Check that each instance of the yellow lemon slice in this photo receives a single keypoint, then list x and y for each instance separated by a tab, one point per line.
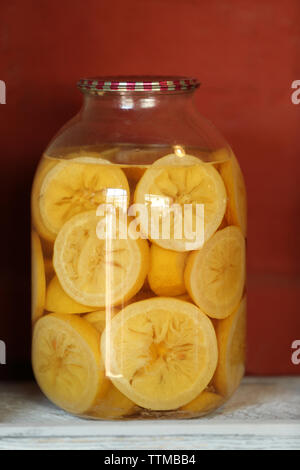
98	318
236	211
160	353
113	405
44	167
97	272
67	362
166	271
231	334
58	301
215	275
173	184
38	278
79	185
204	403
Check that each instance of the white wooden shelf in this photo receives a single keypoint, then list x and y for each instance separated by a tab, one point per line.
263	414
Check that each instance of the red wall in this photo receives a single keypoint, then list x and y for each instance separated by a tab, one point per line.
246	54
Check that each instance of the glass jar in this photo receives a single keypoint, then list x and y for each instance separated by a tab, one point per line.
138	256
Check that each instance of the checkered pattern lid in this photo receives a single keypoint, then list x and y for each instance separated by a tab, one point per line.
98	85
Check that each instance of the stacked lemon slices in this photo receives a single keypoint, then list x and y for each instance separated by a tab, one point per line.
138	325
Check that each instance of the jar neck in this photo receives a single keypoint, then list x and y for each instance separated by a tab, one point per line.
140	118
126	102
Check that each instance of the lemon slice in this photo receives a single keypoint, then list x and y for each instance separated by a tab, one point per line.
166	271
231	334
44	167
96	272
204	403
215	275
67	362
58	301
98	318
236	211
174	182
160	353
38	278
113	405
79	185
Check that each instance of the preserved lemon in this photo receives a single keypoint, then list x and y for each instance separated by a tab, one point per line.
203	403
83	263
160	353
98	318
67	362
231	335
113	405
174	181
38	278
59	302
236	212
166	271
43	168
215	275
79	185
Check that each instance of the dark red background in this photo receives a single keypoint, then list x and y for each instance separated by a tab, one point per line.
245	52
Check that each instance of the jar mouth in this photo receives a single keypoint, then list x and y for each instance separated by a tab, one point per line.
149	83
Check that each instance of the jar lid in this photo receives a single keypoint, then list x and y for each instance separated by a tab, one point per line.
98	85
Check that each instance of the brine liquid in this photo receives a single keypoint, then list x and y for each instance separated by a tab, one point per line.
126	323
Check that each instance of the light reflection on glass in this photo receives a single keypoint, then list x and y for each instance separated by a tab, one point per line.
126	102
179	151
147	103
